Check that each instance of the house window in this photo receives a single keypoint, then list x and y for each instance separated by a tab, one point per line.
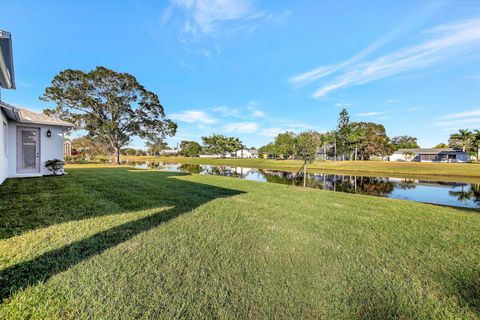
5	145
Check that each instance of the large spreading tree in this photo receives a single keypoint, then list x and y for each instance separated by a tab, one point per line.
111	106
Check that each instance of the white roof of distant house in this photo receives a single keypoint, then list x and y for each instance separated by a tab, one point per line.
27	116
428	150
169	151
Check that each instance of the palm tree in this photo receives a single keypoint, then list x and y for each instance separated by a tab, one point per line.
464	137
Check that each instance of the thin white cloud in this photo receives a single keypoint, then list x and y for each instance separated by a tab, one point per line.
227	111
391	101
191	116
323	71
369	114
472	121
462	114
442	44
251	110
241	127
446	42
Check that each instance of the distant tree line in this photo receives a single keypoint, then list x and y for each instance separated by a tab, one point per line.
349	141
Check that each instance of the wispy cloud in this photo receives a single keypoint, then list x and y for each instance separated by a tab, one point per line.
471	117
251	110
369	114
472	121
191	116
462	114
440	45
241	127
206	16
258	114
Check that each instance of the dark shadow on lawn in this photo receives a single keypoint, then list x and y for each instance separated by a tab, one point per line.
28	204
466	287
181	196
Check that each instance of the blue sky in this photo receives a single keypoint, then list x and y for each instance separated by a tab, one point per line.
255	68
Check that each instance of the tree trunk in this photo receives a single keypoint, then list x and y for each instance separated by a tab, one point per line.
356	151
335	151
116	156
478	153
304	175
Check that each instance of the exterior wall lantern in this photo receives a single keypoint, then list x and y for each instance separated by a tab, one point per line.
49	133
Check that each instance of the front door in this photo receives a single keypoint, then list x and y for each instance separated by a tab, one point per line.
28	150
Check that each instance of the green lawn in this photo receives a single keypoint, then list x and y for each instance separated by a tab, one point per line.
471	170
118	243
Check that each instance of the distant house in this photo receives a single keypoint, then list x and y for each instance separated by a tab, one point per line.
210	156
67	148
27	139
247	153
430	155
169	153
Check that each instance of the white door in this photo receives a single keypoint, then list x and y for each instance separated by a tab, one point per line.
28	150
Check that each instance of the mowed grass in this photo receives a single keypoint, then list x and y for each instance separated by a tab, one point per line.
119	243
422	169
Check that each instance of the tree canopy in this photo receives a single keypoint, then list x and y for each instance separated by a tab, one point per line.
111	106
220	144
190	149
155	146
405	142
285	144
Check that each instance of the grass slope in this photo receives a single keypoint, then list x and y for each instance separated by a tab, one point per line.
364	167
118	243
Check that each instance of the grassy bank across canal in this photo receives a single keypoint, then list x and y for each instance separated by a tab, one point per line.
381	168
120	243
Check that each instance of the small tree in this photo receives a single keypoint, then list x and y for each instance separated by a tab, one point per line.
111	106
342	144
155	145
408	154
190	148
441	146
306	148
55	165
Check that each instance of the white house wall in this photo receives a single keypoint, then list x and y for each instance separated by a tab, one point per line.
3	156
50	147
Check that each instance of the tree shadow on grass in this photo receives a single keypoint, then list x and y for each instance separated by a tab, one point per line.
181	196
28	204
466	288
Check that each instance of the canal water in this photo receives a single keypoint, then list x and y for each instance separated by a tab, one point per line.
448	193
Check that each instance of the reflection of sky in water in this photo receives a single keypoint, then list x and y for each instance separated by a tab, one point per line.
444	193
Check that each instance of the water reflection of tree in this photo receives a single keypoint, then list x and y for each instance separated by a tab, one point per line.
350	184
472	193
190	168
406	184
